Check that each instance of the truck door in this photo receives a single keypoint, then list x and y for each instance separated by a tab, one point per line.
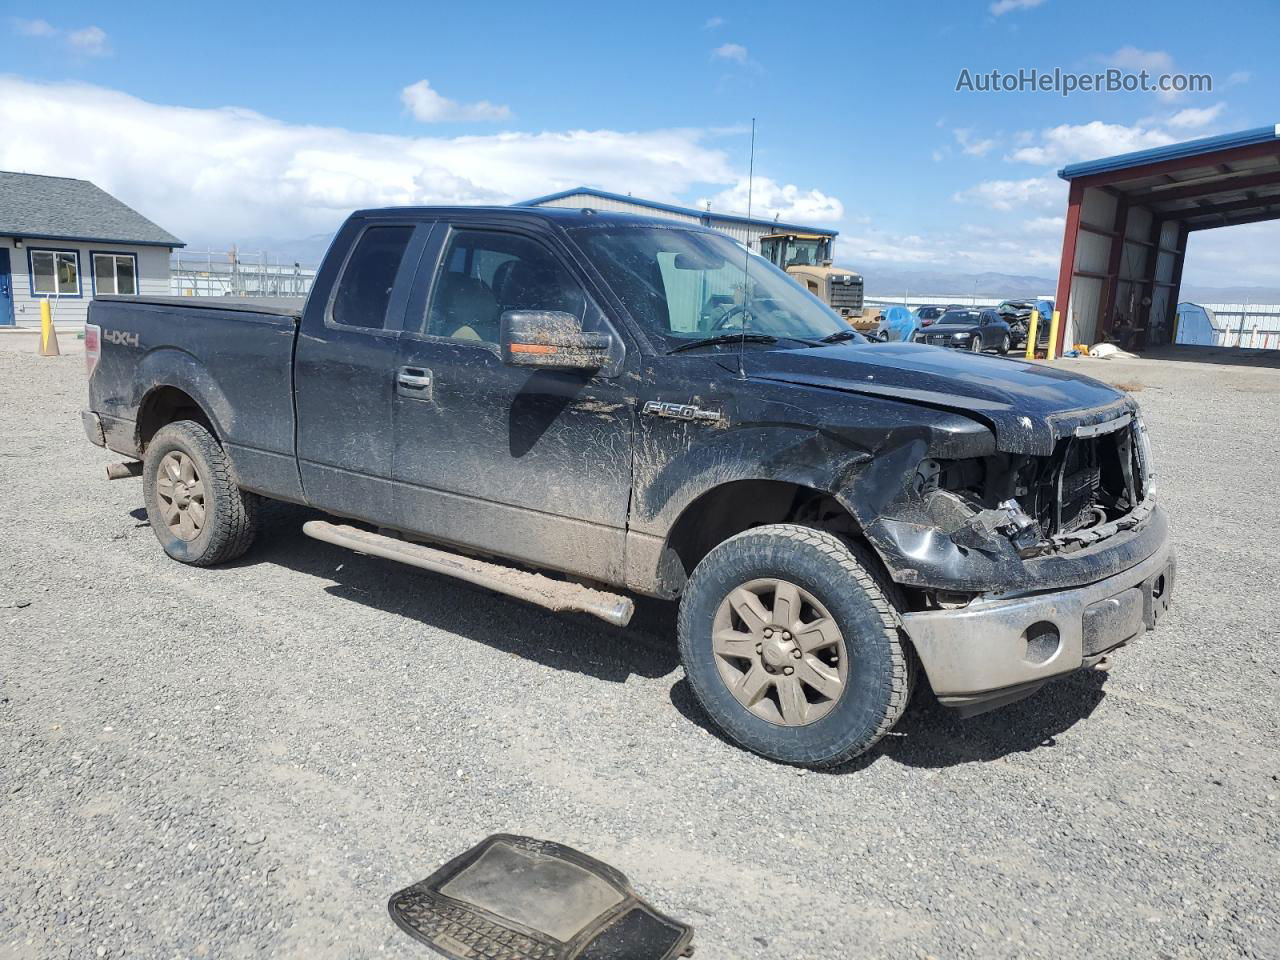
534	465
344	368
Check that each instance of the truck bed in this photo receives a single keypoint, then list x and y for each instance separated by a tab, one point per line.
233	357
272	306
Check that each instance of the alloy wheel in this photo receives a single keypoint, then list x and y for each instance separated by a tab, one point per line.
182	496
779	652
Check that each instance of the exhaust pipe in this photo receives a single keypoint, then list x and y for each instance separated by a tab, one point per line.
124	470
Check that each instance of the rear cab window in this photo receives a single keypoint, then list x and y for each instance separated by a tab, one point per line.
363	293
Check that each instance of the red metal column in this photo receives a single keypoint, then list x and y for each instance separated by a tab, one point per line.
1065	269
1106	312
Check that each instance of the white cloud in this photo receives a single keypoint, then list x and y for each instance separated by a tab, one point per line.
959	251
429	106
1001	7
731	51
1193	118
1053	225
35	28
1133	58
970	146
1243	254
772	199
1238	77
90	40
1037	193
1155	62
218	175
713	22
1085	141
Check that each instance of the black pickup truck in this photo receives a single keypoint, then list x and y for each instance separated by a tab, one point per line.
574	406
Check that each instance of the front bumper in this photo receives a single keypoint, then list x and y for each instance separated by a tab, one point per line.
946	342
994	651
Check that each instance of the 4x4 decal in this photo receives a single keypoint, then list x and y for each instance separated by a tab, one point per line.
122	338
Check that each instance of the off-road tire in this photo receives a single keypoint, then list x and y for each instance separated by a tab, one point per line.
231	514
857	596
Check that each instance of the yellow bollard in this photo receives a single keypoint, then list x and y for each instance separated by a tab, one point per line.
1053	337
1033	329
48	336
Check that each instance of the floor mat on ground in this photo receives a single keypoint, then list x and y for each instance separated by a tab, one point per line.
517	898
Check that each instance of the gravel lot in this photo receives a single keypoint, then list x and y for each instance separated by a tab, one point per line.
248	761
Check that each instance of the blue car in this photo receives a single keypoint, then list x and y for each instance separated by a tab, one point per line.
898	324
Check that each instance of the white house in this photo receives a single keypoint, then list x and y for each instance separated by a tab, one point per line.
66	241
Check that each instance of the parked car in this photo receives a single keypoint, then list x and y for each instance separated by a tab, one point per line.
571	407
929	314
898	324
1017	314
975	329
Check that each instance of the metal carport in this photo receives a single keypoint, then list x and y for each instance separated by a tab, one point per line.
1128	219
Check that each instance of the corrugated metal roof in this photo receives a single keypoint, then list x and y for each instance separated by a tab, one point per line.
672	208
60	208
1174	151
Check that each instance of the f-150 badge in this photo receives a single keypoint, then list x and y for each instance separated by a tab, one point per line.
680	411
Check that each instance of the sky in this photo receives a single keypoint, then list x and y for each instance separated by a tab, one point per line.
265	124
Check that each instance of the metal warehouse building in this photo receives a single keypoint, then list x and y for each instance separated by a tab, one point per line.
746	230
1128	220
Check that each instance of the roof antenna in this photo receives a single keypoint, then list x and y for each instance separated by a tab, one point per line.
746	262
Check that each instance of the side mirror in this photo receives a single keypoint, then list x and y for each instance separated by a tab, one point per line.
552	340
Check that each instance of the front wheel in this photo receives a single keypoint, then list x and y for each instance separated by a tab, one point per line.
791	645
975	345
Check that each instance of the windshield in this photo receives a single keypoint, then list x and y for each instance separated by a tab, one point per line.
961	316
803	253
683	285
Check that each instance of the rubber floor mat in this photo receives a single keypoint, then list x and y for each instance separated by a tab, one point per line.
517	898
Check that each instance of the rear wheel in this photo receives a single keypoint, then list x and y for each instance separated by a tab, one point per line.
197	510
791	646
1005	344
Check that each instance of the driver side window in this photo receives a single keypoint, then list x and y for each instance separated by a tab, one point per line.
484	273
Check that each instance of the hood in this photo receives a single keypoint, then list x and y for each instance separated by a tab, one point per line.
1028	406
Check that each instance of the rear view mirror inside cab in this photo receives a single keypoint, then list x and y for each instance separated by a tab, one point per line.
693	261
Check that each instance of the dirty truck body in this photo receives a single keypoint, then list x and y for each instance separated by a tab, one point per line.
572	406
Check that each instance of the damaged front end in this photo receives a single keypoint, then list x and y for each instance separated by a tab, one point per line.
1000	522
1027	567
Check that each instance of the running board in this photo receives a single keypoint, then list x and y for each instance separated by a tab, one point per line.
559	595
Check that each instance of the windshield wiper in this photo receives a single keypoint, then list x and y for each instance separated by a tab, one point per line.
838	336
724	338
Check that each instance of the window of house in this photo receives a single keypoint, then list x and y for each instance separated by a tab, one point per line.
115	273
55	273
